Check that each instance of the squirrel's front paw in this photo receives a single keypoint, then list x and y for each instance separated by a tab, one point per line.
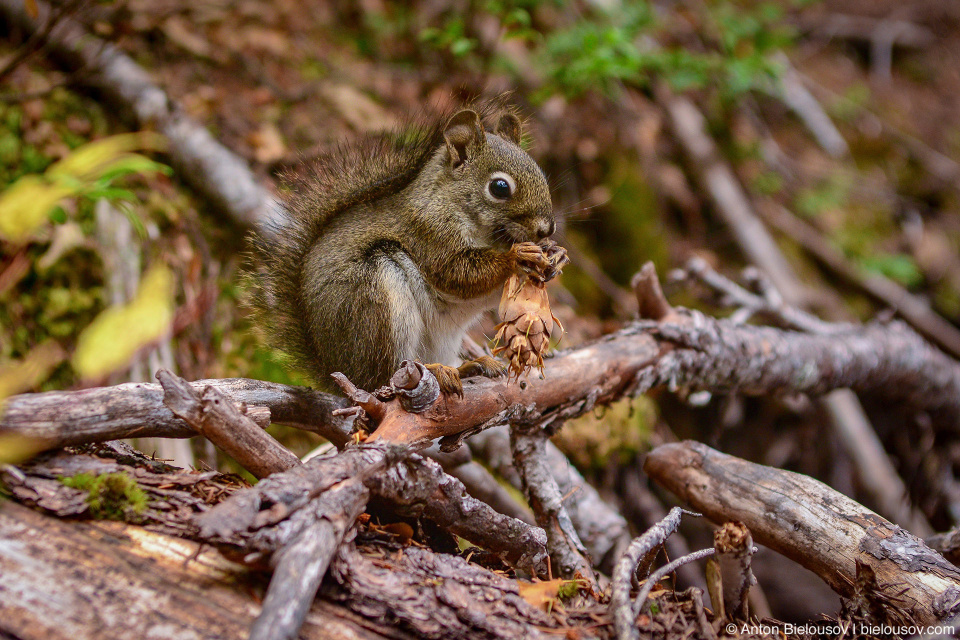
485	366
531	259
556	256
448	378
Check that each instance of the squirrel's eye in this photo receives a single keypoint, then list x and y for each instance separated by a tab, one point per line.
501	186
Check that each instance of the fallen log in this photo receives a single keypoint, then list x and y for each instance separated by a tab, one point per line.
817	527
64	580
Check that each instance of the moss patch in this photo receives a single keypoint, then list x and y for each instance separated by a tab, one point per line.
110	496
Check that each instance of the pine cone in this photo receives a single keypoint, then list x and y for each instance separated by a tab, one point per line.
524	335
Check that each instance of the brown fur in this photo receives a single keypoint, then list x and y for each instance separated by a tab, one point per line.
390	234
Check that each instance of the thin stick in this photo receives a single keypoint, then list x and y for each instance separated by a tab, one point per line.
656	576
623	572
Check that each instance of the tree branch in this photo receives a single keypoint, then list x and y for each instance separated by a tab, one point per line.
814	525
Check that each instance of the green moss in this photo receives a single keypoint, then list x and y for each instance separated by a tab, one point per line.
110	496
617	432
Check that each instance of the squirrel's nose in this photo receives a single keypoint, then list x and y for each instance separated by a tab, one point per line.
545	228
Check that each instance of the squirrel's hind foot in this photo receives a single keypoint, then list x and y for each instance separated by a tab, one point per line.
450	378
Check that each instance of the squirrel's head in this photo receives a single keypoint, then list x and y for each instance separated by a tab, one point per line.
497	184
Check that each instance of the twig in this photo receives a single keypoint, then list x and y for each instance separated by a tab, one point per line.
815	526
301	564
643	507
696	596
651	302
796	96
218	420
481	484
625	569
134	410
599	524
544	496
771	304
656	576
910	307
420	487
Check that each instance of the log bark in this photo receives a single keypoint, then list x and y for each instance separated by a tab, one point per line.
814	525
63	580
436	596
136	410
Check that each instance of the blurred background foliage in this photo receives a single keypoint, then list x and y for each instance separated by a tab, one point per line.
110	267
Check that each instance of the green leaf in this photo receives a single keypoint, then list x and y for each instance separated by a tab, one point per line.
898	267
95	158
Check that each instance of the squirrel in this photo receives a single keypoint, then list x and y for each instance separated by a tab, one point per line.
393	247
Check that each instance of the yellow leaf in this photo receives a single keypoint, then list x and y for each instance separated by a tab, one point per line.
540	594
115	336
26	205
31	371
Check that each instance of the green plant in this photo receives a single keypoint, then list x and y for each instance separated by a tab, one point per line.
604	50
89	172
110	496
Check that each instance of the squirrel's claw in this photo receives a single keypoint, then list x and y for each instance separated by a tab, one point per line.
485	366
531	259
448	378
558	259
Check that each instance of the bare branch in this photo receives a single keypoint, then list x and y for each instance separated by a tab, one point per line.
814	525
135	410
543	494
301	564
218	420
625	570
420	487
656	576
910	307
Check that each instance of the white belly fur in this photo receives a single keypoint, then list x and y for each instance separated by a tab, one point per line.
427	325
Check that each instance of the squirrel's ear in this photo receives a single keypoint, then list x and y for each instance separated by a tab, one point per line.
510	128
464	136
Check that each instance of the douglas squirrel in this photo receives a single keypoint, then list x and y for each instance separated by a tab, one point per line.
394	246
